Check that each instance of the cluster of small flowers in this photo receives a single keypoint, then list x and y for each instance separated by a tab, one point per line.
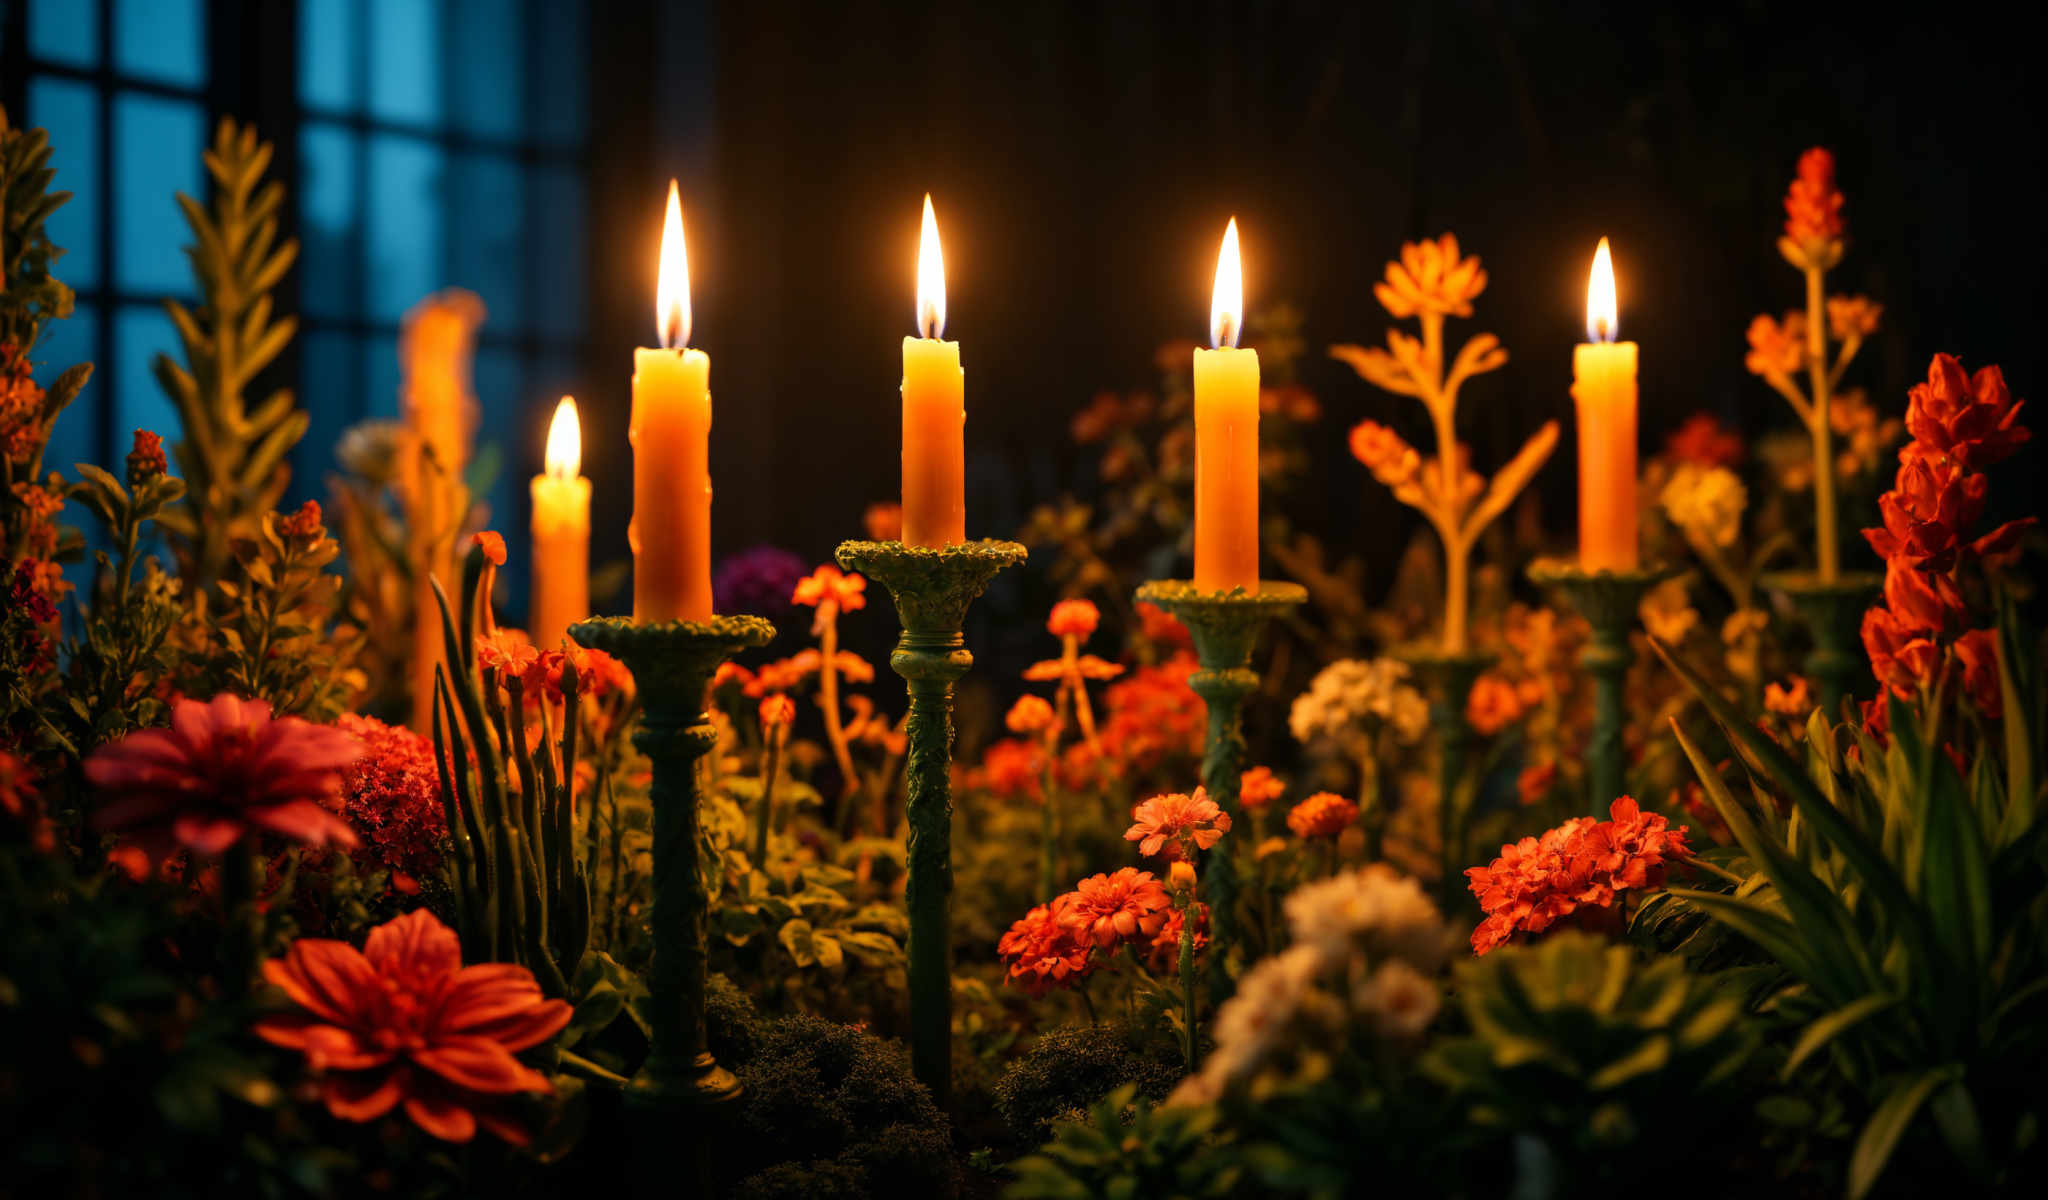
392	797
1348	698
789	674
21	406
1581	864
1960	424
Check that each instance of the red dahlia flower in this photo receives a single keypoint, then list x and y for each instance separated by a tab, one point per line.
223	770
404	1022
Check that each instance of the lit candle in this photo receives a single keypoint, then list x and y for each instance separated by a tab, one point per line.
1604	384
671	435
934	410
1227	439
561	533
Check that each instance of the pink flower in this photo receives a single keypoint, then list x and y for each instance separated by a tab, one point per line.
223	770
1177	824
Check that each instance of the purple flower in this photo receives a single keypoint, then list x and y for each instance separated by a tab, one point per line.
758	580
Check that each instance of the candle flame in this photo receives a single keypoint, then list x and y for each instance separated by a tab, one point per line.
931	277
672	287
564	459
1600	303
1226	303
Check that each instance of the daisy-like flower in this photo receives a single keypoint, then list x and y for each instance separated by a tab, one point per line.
1176	824
1325	814
224	770
1073	618
1108	909
1042	951
403	1022
1431	278
1259	787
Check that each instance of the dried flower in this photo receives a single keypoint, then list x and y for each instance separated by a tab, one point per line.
146	461
1431	278
1667	612
1259	787
1108	909
1325	814
1391	460
223	770
1176	824
403	1022
1706	502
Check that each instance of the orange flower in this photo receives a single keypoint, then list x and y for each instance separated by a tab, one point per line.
1176	824
883	521
731	674
1852	317
1776	348
1029	715
1259	787
1325	814
507	651
1391	460
403	1022
1535	781
1901	659
1073	618
829	586
1928	513
1978	652
1813	205
1970	418
1042	951
777	712
302	526
493	544
1162	628
1493	705
1923	602
1010	769
1108	909
1704	441
1536	882
1793	699
1431	278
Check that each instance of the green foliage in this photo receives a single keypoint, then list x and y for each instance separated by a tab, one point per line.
121	651
1578	1046
271	636
233	454
1126	1148
1071	1067
1905	899
34	295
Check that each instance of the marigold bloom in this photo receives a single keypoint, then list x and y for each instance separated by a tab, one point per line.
146	461
1073	618
1702	440
1042	951
1176	824
1536	882
392	796
403	1022
1813	204
1108	909
1259	787
304	525
1010	769
1152	716
777	712
1029	715
1970	418
1325	814
1776	347
222	771
1431	278
493	544
1493	705
829	586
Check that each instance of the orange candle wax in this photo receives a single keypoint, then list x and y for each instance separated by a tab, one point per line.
1604	385
561	534
1227	440
671	437
934	411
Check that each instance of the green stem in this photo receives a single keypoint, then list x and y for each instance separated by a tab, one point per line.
1187	984
1829	537
771	768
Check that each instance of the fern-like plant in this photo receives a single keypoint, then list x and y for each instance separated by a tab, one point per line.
232	456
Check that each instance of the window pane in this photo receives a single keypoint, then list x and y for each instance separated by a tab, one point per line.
141	332
379	359
156	148
327	54
65	31
162	40
71	112
555	110
331	368
555	233
65	344
487	77
330	222
490	243
405	61
404	251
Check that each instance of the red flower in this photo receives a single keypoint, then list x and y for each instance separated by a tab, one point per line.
1901	659
1162	628
1164	954
1153	715
1042	951
1703	440
224	770
507	651
1259	787
1107	909
392	796
1176	824
829	586
1923	602
1813	206
1493	705
1538	882
404	1022
1073	618
1010	769
18	793
493	544
146	461
1927	513
303	525
1978	652
1534	781
1970	418
1030	714
777	712
884	521
1325	814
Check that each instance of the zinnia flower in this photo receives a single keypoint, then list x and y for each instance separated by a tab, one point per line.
1177	824
1107	909
1537	882
1325	814
224	770
1073	618
1259	787
1042	951
1970	418
404	1022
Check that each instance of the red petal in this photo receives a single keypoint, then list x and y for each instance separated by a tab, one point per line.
416	944
301	820
441	1116
206	834
364	1097
325	977
479	1064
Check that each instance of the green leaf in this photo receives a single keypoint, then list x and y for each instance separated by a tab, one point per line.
1826	1029
1652	1055
796	937
1881	1133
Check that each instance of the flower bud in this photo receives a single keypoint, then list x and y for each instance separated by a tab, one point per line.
146	461
1181	877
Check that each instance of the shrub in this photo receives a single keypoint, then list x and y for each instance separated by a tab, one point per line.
1071	1068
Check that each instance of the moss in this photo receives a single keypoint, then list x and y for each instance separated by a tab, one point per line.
732	1024
1071	1068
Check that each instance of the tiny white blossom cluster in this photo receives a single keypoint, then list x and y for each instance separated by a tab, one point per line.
1350	699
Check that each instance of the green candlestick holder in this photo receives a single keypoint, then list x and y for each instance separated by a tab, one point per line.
932	587
1448	678
1833	612
672	663
1225	625
1608	600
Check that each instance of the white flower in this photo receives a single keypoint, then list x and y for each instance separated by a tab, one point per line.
1374	910
1346	696
1399	1000
1275	997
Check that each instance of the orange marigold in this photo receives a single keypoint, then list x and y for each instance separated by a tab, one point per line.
1010	769
1539	881
1073	618
1325	814
1177	824
883	521
1431	278
1494	704
1042	951
1259	787
1108	909
1029	715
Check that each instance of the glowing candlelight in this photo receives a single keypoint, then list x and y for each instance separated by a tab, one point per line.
1604	384
1227	438
671	437
934	410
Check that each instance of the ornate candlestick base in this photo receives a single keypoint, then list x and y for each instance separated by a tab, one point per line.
672	663
1833	612
1608	600
1226	626
932	587
1448	678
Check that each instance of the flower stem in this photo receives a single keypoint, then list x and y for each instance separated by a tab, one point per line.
243	919
1819	424
770	769
1187	984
